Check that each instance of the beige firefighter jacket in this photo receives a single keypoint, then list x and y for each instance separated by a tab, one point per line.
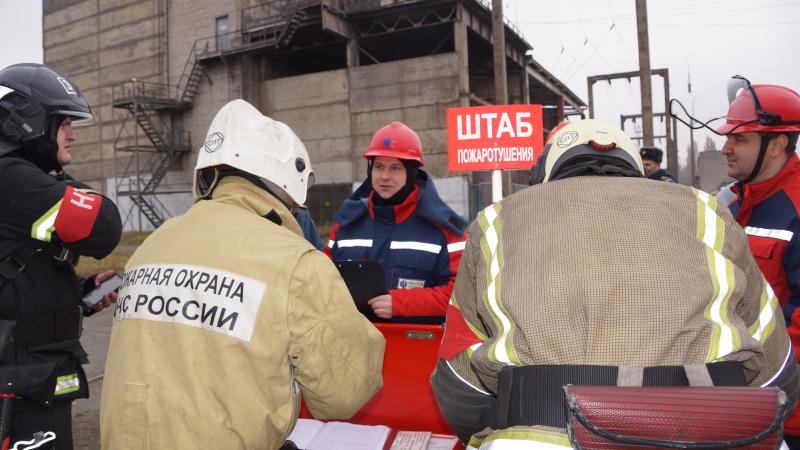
224	318
607	271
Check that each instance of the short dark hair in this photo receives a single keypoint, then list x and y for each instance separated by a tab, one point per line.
652	153
791	144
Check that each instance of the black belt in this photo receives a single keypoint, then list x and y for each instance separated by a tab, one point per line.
48	328
533	395
14	264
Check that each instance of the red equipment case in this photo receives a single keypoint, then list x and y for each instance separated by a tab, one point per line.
406	401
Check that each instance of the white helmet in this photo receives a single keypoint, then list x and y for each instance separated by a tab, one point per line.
243	138
588	138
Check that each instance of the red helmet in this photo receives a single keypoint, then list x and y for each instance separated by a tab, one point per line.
762	108
396	140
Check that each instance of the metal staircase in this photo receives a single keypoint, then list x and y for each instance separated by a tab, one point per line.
148	145
268	24
190	77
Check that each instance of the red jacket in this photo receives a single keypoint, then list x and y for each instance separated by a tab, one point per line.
769	211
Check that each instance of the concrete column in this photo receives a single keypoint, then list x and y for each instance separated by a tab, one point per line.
462	50
352	53
644	72
249	79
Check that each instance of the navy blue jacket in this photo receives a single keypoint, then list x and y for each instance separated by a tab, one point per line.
420	242
658	174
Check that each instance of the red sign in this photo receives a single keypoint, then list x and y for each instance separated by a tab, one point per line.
494	137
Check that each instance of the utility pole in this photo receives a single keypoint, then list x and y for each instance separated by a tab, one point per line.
670	135
692	149
500	85
644	72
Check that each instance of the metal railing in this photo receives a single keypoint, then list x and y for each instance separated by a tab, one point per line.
142	89
488	5
263	25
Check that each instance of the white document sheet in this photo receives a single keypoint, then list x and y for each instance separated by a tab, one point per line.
348	436
304	432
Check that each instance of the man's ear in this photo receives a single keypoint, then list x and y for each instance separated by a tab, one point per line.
777	145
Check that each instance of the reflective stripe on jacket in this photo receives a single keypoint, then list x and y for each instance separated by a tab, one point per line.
38	209
769	213
420	242
605	271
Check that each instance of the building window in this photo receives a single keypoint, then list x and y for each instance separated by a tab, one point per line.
223	35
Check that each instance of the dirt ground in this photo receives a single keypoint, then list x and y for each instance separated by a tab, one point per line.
86	412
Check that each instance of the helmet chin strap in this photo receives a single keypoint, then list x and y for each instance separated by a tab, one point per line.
762	152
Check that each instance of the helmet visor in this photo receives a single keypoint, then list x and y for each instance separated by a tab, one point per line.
79	118
743	105
745	112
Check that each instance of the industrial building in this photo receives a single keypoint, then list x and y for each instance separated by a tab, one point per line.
156	72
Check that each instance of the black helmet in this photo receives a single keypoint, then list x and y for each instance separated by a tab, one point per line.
34	100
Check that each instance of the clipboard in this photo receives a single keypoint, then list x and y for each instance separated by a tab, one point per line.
364	280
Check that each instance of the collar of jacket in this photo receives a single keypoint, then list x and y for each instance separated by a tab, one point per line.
400	212
428	206
241	193
758	192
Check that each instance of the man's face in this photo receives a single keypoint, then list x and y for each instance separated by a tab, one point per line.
741	151
64	139
388	176
650	167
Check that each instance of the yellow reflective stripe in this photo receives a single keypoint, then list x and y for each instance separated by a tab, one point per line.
502	349
480	335
763	327
474	443
725	338
44	226
67	383
525	440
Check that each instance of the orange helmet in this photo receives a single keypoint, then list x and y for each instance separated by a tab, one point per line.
761	108
396	140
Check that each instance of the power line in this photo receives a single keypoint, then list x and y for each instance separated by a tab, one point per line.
762	24
590	55
555	31
621	39
655	15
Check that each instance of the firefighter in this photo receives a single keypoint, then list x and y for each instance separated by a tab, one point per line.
762	127
227	314
396	216
556	276
47	219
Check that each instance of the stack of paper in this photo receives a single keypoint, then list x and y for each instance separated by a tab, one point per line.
311	434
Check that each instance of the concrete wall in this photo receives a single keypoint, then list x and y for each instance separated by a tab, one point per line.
100	44
712	171
317	107
336	112
416	92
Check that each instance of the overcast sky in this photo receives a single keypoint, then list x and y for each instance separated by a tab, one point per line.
709	39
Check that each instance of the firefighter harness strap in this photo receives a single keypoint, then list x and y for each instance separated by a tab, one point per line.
533	395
